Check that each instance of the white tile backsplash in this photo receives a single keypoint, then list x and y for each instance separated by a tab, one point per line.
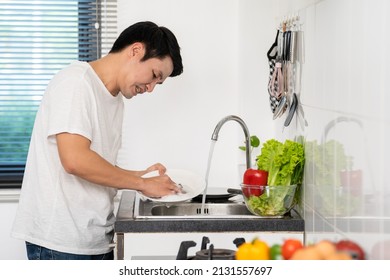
344	96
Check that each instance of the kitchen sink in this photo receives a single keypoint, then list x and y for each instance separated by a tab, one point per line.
191	210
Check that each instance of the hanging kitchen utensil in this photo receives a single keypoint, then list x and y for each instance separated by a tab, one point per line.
281	107
283	76
297	60
293	47
289	75
276	85
292	110
272	55
286	46
273	51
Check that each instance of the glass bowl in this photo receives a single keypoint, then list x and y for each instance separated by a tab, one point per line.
269	201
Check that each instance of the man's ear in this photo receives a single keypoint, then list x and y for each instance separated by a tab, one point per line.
136	49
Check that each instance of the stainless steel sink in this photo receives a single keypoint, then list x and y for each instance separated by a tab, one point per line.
191	210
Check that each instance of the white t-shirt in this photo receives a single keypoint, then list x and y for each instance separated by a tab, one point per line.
58	210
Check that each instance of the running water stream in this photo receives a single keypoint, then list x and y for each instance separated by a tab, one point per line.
207	175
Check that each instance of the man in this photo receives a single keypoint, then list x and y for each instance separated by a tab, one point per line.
66	203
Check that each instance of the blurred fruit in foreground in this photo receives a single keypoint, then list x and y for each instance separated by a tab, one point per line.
276	252
323	250
351	248
306	253
255	250
293	249
289	247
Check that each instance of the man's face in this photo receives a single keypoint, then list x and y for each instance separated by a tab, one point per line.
142	76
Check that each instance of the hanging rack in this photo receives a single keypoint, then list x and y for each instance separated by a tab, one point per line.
288	22
284	83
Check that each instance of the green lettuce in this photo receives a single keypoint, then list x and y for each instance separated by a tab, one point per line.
283	161
276	202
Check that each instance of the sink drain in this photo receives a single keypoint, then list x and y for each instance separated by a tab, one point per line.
199	211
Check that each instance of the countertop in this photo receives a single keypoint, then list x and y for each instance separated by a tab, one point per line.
126	223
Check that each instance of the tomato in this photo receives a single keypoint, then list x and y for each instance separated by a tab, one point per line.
276	252
256	250
289	247
255	177
351	248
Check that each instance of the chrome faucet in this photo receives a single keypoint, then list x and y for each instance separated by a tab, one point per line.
214	137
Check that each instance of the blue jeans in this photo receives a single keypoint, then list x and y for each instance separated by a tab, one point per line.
36	252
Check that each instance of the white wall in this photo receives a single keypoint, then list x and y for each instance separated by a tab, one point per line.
256	23
10	248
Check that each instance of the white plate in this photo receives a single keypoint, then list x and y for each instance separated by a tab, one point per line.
192	184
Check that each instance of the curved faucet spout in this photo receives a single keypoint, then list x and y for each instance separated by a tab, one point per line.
214	137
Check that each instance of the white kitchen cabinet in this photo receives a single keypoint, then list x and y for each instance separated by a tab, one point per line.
144	246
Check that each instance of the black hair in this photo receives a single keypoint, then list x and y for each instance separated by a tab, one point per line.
159	42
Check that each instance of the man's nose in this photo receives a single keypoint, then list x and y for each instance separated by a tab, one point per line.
150	86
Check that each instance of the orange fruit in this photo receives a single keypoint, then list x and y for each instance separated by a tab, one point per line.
306	253
325	248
